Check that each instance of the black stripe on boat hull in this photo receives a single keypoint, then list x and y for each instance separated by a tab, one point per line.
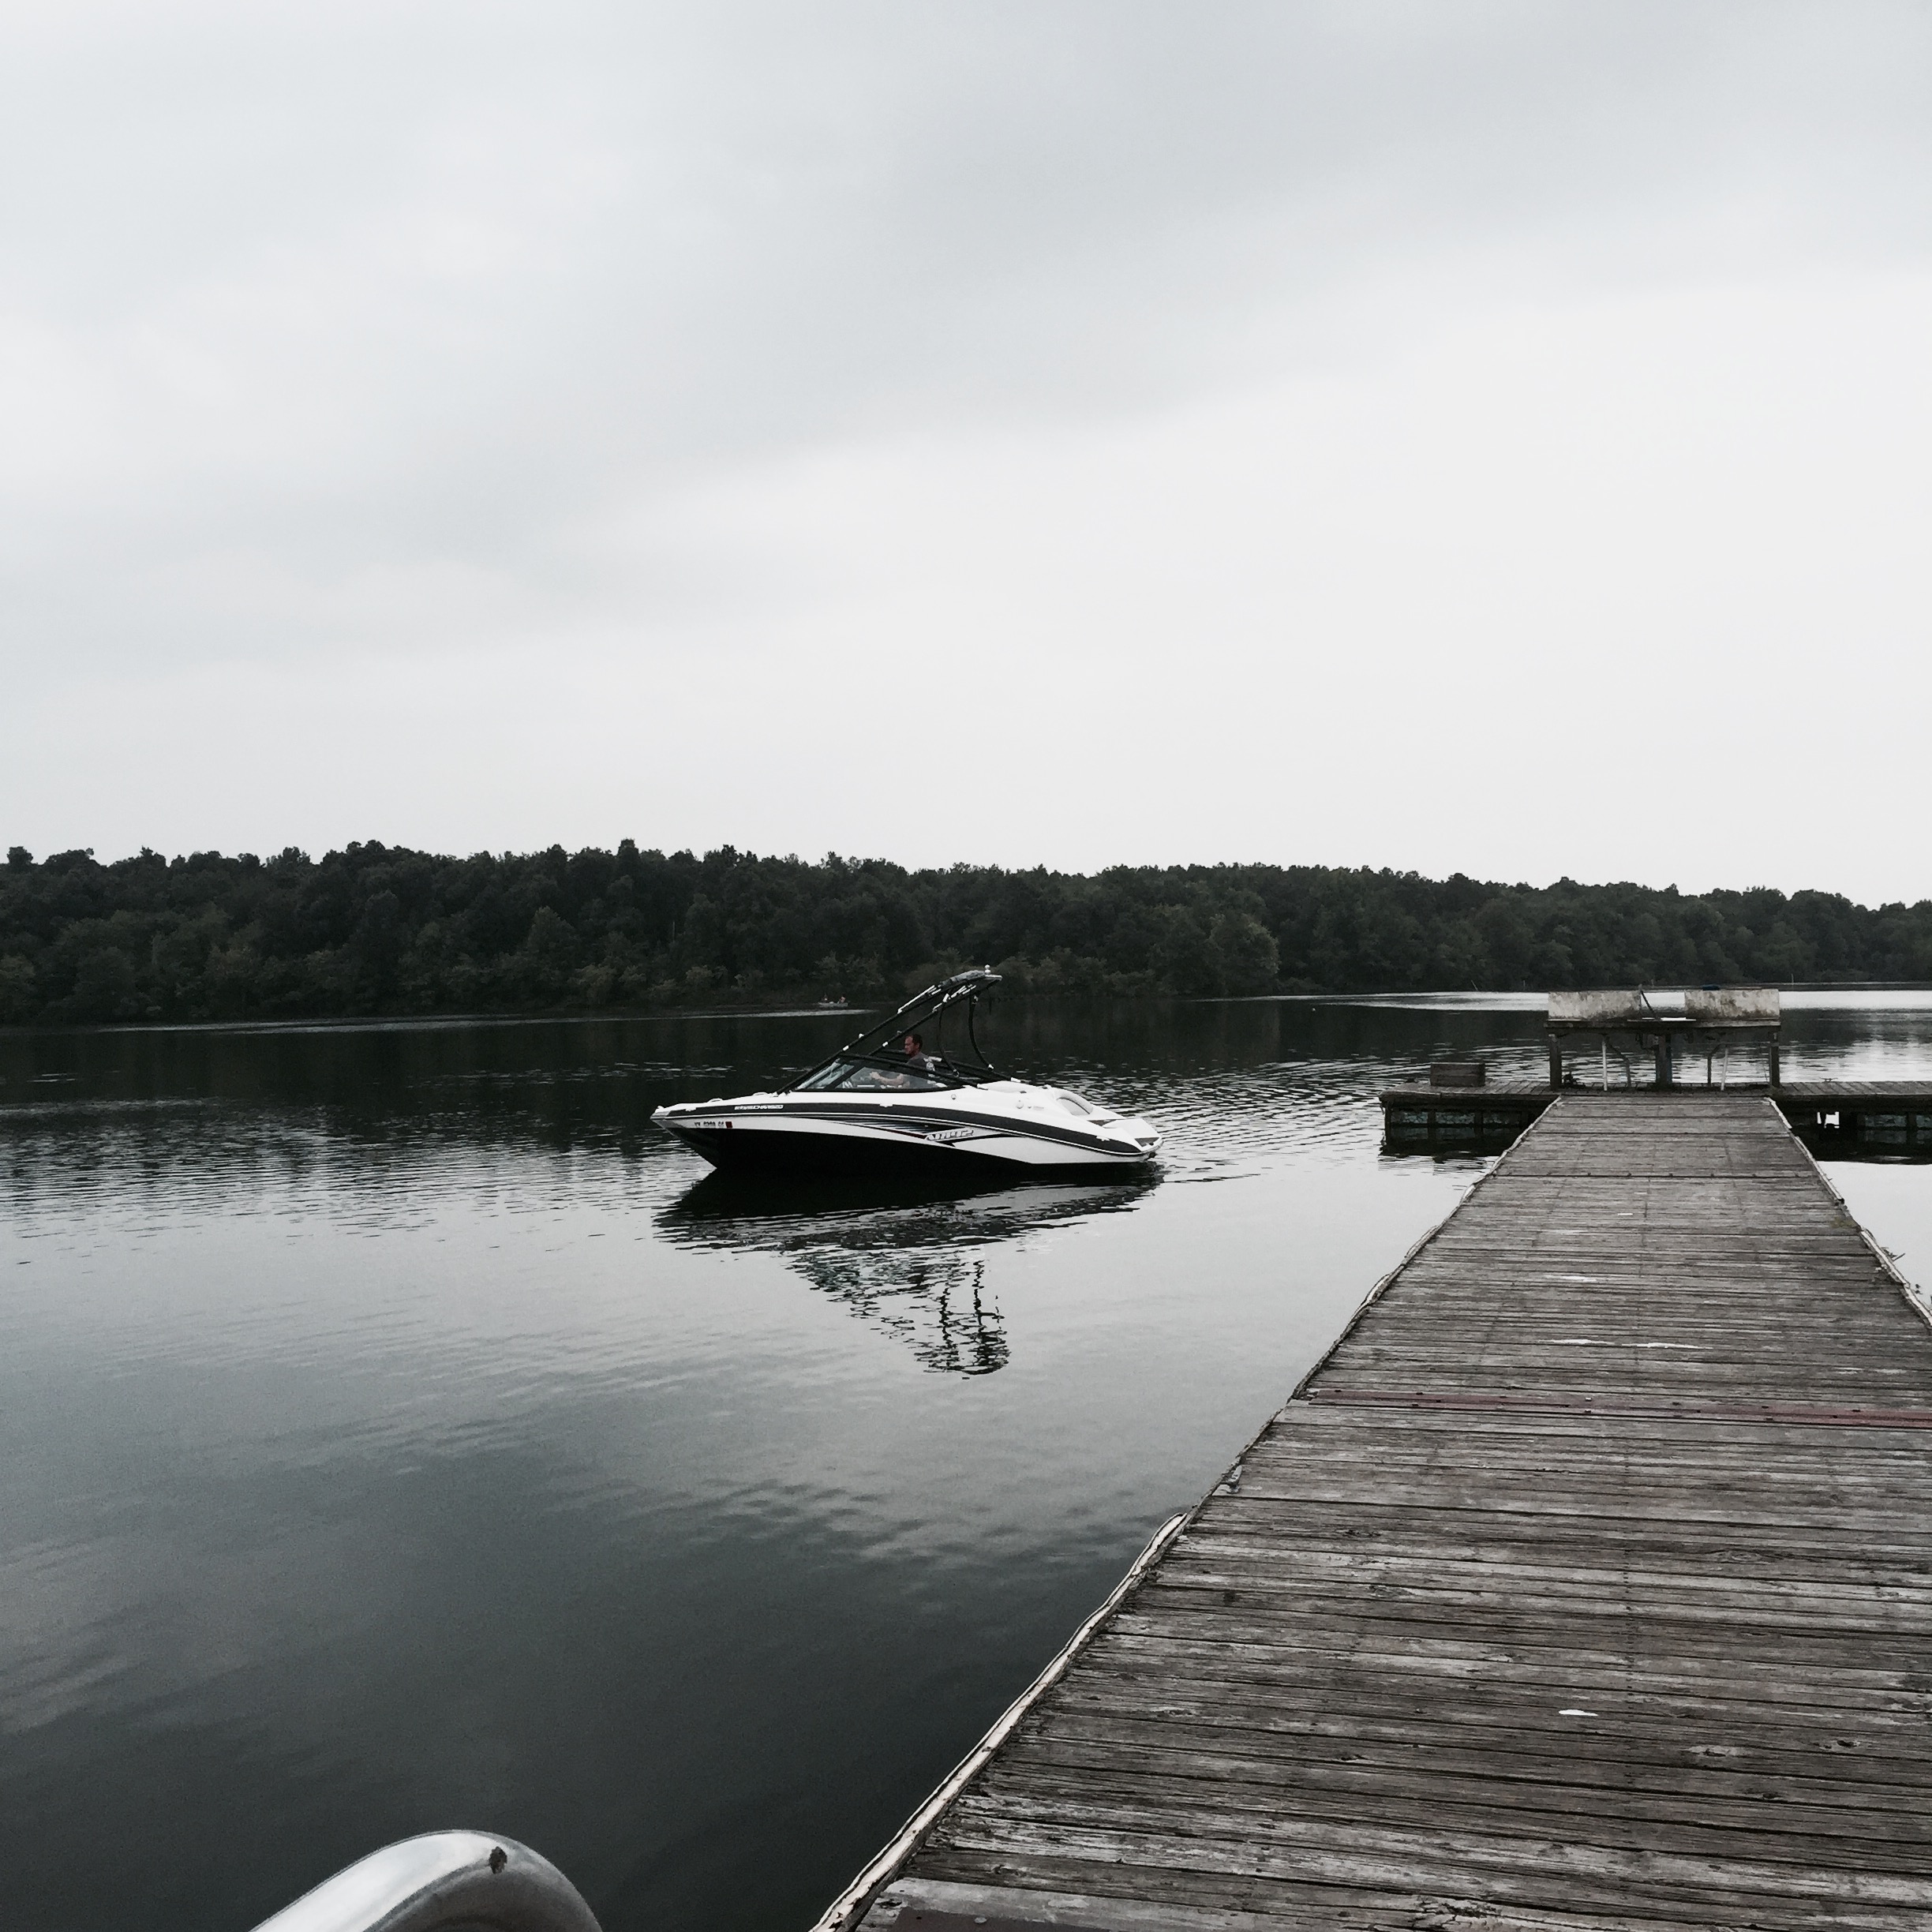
894	1116
765	1150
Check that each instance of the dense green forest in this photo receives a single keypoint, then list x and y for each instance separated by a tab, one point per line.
376	928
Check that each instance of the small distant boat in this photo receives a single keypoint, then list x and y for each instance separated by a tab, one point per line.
883	1104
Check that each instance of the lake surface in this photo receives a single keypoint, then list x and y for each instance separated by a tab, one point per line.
397	1432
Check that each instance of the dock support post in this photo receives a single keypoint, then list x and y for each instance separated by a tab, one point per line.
1774	1064
1664	1060
1555	1063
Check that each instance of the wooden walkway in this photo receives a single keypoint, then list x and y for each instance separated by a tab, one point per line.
1905	1105
1874	1096
1886	1114
1586	1584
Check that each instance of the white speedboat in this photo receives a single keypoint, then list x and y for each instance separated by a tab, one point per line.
883	1104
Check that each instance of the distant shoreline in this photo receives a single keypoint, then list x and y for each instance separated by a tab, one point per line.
375	932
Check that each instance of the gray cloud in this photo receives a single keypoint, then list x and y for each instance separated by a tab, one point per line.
564	349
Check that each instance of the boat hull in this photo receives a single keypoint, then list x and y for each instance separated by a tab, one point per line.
903	1147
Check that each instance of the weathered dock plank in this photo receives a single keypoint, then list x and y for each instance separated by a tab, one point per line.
1587	1583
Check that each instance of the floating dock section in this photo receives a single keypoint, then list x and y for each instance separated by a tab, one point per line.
1585	1586
1845	1116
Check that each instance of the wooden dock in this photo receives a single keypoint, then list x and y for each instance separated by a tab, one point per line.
1585	1586
1427	1116
1877	1114
1834	1114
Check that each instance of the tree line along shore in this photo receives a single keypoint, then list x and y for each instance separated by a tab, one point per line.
377	929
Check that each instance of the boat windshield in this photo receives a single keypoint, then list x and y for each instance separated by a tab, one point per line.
869	1076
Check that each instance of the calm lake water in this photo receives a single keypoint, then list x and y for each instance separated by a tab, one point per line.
397	1432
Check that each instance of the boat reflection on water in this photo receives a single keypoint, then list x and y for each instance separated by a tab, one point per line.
908	1261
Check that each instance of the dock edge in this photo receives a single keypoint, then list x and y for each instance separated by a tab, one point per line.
845	1910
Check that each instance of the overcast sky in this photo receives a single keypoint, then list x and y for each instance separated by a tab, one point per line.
1456	437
